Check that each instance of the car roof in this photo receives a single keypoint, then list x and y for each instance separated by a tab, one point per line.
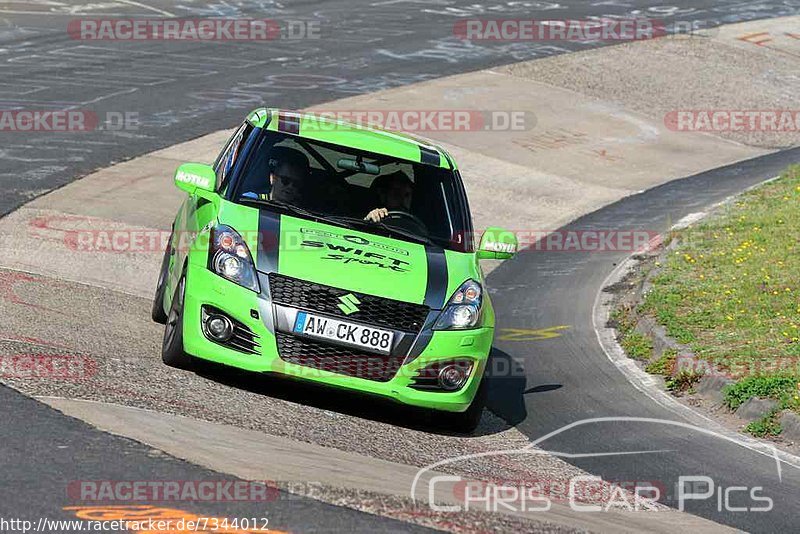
322	127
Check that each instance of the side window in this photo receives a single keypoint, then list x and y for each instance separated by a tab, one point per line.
230	154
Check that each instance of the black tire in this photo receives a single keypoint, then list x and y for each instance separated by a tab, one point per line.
172	352
157	313
466	422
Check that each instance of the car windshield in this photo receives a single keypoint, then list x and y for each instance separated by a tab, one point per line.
344	186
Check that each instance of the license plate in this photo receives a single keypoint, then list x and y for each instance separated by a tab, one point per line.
355	335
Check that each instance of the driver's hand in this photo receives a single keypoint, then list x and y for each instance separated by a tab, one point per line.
377	215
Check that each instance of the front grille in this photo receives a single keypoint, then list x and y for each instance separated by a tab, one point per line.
373	310
337	359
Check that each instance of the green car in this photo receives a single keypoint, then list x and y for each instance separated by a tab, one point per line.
334	253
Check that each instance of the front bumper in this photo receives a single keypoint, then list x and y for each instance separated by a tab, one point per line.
256	313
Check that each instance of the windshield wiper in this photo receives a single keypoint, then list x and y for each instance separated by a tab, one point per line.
277	204
291	208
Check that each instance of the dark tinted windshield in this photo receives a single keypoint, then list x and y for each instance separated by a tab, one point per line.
407	200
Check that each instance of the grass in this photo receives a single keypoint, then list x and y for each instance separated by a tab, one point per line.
635	344
766	426
731	291
778	387
683	381
664	365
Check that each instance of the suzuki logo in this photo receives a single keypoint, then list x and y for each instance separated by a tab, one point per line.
348	303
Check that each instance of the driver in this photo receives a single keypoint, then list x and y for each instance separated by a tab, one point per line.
289	173
395	192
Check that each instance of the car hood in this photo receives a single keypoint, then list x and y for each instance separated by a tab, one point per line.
352	260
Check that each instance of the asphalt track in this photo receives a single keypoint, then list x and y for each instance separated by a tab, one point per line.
183	90
569	378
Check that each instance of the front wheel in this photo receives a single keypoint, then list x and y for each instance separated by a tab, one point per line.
157	313
172	352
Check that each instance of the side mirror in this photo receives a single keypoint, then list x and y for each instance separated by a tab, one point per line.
497	244
191	177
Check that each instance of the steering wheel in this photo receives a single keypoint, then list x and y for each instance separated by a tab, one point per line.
398	215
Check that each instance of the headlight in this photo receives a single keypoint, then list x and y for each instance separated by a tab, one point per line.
229	257
463	310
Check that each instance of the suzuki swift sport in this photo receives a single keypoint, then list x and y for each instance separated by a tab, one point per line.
334	253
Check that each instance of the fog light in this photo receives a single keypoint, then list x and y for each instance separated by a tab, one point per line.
453	377
219	328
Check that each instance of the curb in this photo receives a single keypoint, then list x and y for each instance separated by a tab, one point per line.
790	422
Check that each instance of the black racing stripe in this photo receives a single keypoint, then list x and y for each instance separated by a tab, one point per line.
429	156
424	337
269	232
436	291
288	124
